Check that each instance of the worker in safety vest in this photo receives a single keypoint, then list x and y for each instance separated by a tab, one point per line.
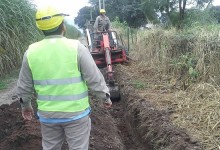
102	22
59	70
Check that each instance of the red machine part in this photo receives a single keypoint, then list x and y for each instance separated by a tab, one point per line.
117	53
105	55
108	57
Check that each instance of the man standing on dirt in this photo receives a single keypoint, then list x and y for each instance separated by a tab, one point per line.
58	70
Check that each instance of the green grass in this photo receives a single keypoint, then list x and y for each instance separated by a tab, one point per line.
7	79
139	85
2	85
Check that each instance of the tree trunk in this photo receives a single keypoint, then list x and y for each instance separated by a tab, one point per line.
167	8
182	7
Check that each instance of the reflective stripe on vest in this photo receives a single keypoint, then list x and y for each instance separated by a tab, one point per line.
57	80
62	97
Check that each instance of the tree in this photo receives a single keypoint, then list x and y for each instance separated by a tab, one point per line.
83	16
157	11
126	10
154	8
184	3
216	12
137	12
133	15
182	8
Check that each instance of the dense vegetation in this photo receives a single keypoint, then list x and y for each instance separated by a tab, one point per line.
18	30
166	13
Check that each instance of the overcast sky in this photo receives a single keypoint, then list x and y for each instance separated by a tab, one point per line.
216	2
66	6
72	7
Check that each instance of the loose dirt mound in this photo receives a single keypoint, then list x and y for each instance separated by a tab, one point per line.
133	123
15	134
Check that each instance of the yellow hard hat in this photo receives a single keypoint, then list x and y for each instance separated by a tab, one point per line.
49	18
102	11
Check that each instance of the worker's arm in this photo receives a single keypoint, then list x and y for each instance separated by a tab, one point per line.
91	74
25	89
109	24
96	24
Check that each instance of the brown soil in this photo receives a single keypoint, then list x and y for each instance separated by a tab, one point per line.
133	123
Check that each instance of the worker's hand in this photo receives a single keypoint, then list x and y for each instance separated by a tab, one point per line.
108	103
27	113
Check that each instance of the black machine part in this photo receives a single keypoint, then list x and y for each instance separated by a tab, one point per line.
114	92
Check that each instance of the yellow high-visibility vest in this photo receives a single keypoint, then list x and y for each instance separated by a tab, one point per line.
57	79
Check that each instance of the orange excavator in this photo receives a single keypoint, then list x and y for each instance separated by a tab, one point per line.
107	50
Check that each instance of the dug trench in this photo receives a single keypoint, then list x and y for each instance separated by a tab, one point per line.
133	123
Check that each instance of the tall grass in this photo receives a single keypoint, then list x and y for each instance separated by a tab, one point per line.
191	54
17	31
